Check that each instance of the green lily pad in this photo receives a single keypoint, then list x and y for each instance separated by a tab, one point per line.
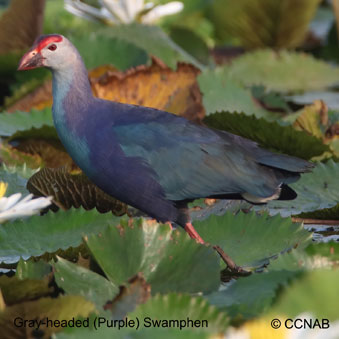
323	214
190	41
263	23
169	261
56	309
289	141
43	132
331	99
155	41
132	294
272	100
309	256
296	260
316	292
15	291
30	269
162	316
16	178
105	50
11	123
181	307
222	93
106	333
77	280
249	297
12	157
316	190
251	240
283	71
48	233
329	250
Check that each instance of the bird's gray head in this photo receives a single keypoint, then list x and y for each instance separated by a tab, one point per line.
53	51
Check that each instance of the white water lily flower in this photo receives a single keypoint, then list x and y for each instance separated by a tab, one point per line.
12	207
164	10
123	11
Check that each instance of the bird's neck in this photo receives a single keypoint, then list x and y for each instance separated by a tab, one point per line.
72	97
71	83
71	93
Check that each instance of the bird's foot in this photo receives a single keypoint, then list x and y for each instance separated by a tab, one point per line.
232	269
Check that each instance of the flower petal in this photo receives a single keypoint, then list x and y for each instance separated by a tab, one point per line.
25	207
11	201
117	11
163	10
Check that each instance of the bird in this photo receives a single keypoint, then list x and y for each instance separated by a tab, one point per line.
150	159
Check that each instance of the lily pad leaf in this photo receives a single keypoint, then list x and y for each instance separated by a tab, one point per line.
169	261
31	269
72	190
77	280
329	250
48	233
162	308
263	23
248	297
164	316
322	285
136	292
15	291
35	153
155	41
16	178
322	214
44	132
273	101
105	50
290	141
12	157
313	119
316	190
62	308
191	42
175	91
251	240
283	71
51	152
296	260
11	123
318	121
36	94
330	98
222	93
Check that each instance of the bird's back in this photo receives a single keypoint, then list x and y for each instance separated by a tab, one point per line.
175	159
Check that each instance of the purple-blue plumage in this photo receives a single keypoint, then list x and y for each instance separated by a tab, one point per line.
150	159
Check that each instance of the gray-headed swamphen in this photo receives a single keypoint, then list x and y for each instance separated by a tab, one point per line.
151	159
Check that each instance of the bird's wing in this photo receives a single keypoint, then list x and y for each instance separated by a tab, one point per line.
192	161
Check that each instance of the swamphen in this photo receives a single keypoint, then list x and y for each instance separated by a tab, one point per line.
151	159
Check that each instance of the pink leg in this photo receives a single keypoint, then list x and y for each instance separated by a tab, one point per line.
169	224
193	233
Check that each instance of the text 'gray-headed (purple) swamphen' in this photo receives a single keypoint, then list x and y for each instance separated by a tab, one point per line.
151	159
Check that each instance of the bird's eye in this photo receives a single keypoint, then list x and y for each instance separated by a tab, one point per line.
52	47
